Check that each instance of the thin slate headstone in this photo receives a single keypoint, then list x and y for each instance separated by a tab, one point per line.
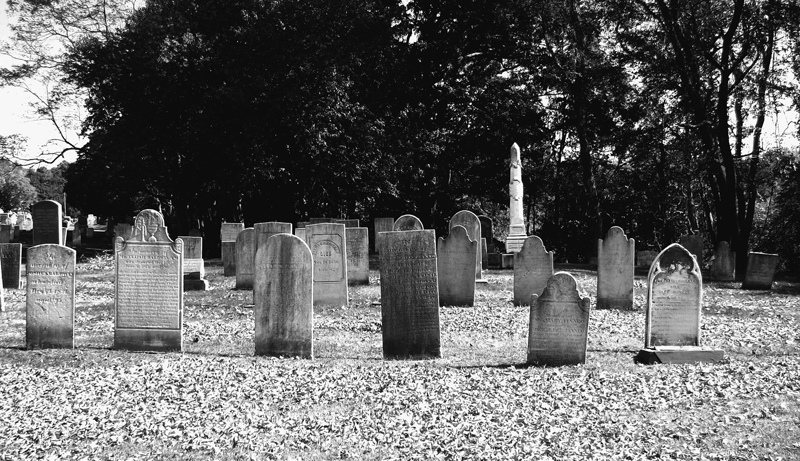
674	297
559	323
615	270
357	255
228	234
347	222
409	295
284	311
245	245
694	245
149	287
455	259
533	267
760	271
381	225
645	258
723	267
487	232
329	249
47	218
472	224
50	297
11	263
408	222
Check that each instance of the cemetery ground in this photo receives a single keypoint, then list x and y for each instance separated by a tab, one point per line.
217	401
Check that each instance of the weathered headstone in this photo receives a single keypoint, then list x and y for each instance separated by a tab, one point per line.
194	270
228	233
381	225
11	264
301	233
487	232
245	245
723	266
409	295
347	222
6	233
760	271
50	297
265	230
615	270
472	225
408	222
329	249
195	233
645	258
516	219
484	254
302	224
455	259
533	267
149	287
47	218
495	260
285	308
559	323
694	244
123	230
357	255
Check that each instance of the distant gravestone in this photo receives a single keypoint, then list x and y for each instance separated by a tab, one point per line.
195	233
4	218
302	224
320	220
245	244
760	271
7	233
228	233
694	244
559	324
123	230
11	264
723	266
300	232
382	225
484	254
455	259
329	249
149	287
230	230
285	308
265	230
357	255
194	270
50	297
615	270
347	222
408	222
47	218
533	267
472	224
645	258
487	232
409	295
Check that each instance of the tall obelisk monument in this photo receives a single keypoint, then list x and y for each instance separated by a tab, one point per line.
516	220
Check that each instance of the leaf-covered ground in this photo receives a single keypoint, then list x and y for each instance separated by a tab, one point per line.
217	401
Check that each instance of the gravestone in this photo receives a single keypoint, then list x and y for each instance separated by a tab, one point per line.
149	287
245	245
559	324
495	260
409	295
408	222
487	232
47	218
694	244
473	227
723	266
11	265
228	233
615	270
301	233
194	270
302	224
381	225
319	221
484	254
50	297
285	308
123	230
533	267
516	219
195	233
4	218
347	222
329	250
6	233
455	262
357	255
760	271
265	230
645	258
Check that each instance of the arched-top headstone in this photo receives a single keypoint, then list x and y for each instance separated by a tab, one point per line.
47	219
559	323
674	299
455	256
149	227
723	267
245	253
472	224
408	222
533	267
615	257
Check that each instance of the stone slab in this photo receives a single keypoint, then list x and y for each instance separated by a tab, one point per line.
228	259
50	297
357	255
195	284
11	264
348	222
328	246
455	260
384	224
615	255
679	355
193	265
408	222
645	258
495	260
245	251
760	271
533	267
723	266
472	224
230	230
47	220
694	245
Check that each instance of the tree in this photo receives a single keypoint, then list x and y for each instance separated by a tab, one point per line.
16	191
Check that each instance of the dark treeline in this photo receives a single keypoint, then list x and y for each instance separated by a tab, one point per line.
645	114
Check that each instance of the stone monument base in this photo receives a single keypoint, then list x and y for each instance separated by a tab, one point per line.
514	242
195	284
679	355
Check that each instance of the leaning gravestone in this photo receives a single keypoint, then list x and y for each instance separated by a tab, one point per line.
50	300
409	295
473	226
47	219
228	233
329	249
615	270
455	261
408	222
723	267
284	309
357	255
760	271
194	270
559	323
694	244
245	244
672	319
382	225
11	263
149	287
533	267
